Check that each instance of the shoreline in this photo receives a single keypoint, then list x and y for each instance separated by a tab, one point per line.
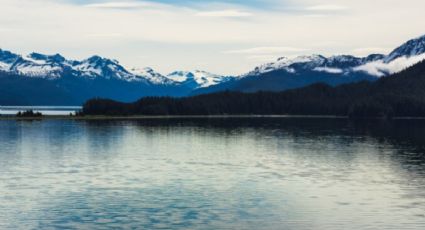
143	117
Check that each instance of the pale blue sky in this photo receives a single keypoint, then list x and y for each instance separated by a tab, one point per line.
225	37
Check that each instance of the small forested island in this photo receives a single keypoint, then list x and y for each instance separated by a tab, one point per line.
399	95
29	113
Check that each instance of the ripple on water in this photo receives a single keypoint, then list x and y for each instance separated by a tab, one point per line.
211	174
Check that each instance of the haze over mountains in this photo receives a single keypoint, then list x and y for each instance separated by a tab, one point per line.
39	79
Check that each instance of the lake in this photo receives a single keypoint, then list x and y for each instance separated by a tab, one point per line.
235	173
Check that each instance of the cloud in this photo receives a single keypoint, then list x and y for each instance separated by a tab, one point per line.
227	36
119	5
224	13
264	54
194	4
207	4
328	70
104	35
261	58
315	15
380	68
370	50
267	50
326	8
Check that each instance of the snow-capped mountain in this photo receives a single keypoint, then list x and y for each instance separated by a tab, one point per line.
290	73
339	64
33	65
39	78
152	76
56	66
409	49
197	79
376	65
408	54
7	59
96	66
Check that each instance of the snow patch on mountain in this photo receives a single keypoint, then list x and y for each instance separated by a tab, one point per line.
197	78
38	70
35	68
4	66
152	76
285	63
88	69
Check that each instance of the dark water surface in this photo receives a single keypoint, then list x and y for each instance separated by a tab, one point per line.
252	173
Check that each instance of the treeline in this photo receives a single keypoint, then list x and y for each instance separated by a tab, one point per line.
402	94
29	113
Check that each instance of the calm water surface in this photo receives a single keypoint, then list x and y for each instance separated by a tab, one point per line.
258	173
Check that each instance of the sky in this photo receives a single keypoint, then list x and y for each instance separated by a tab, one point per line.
224	37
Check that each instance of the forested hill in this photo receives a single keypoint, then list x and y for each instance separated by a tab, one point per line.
402	94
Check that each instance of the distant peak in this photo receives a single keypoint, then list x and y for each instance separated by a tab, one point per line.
375	57
37	56
410	48
94	58
4	51
282	58
143	70
148	69
180	73
342	56
311	56
200	71
5	54
422	37
98	60
301	58
58	57
418	40
284	61
44	57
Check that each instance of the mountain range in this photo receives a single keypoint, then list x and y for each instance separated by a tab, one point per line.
39	79
286	73
398	95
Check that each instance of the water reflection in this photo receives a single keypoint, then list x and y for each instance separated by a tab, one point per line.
246	173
